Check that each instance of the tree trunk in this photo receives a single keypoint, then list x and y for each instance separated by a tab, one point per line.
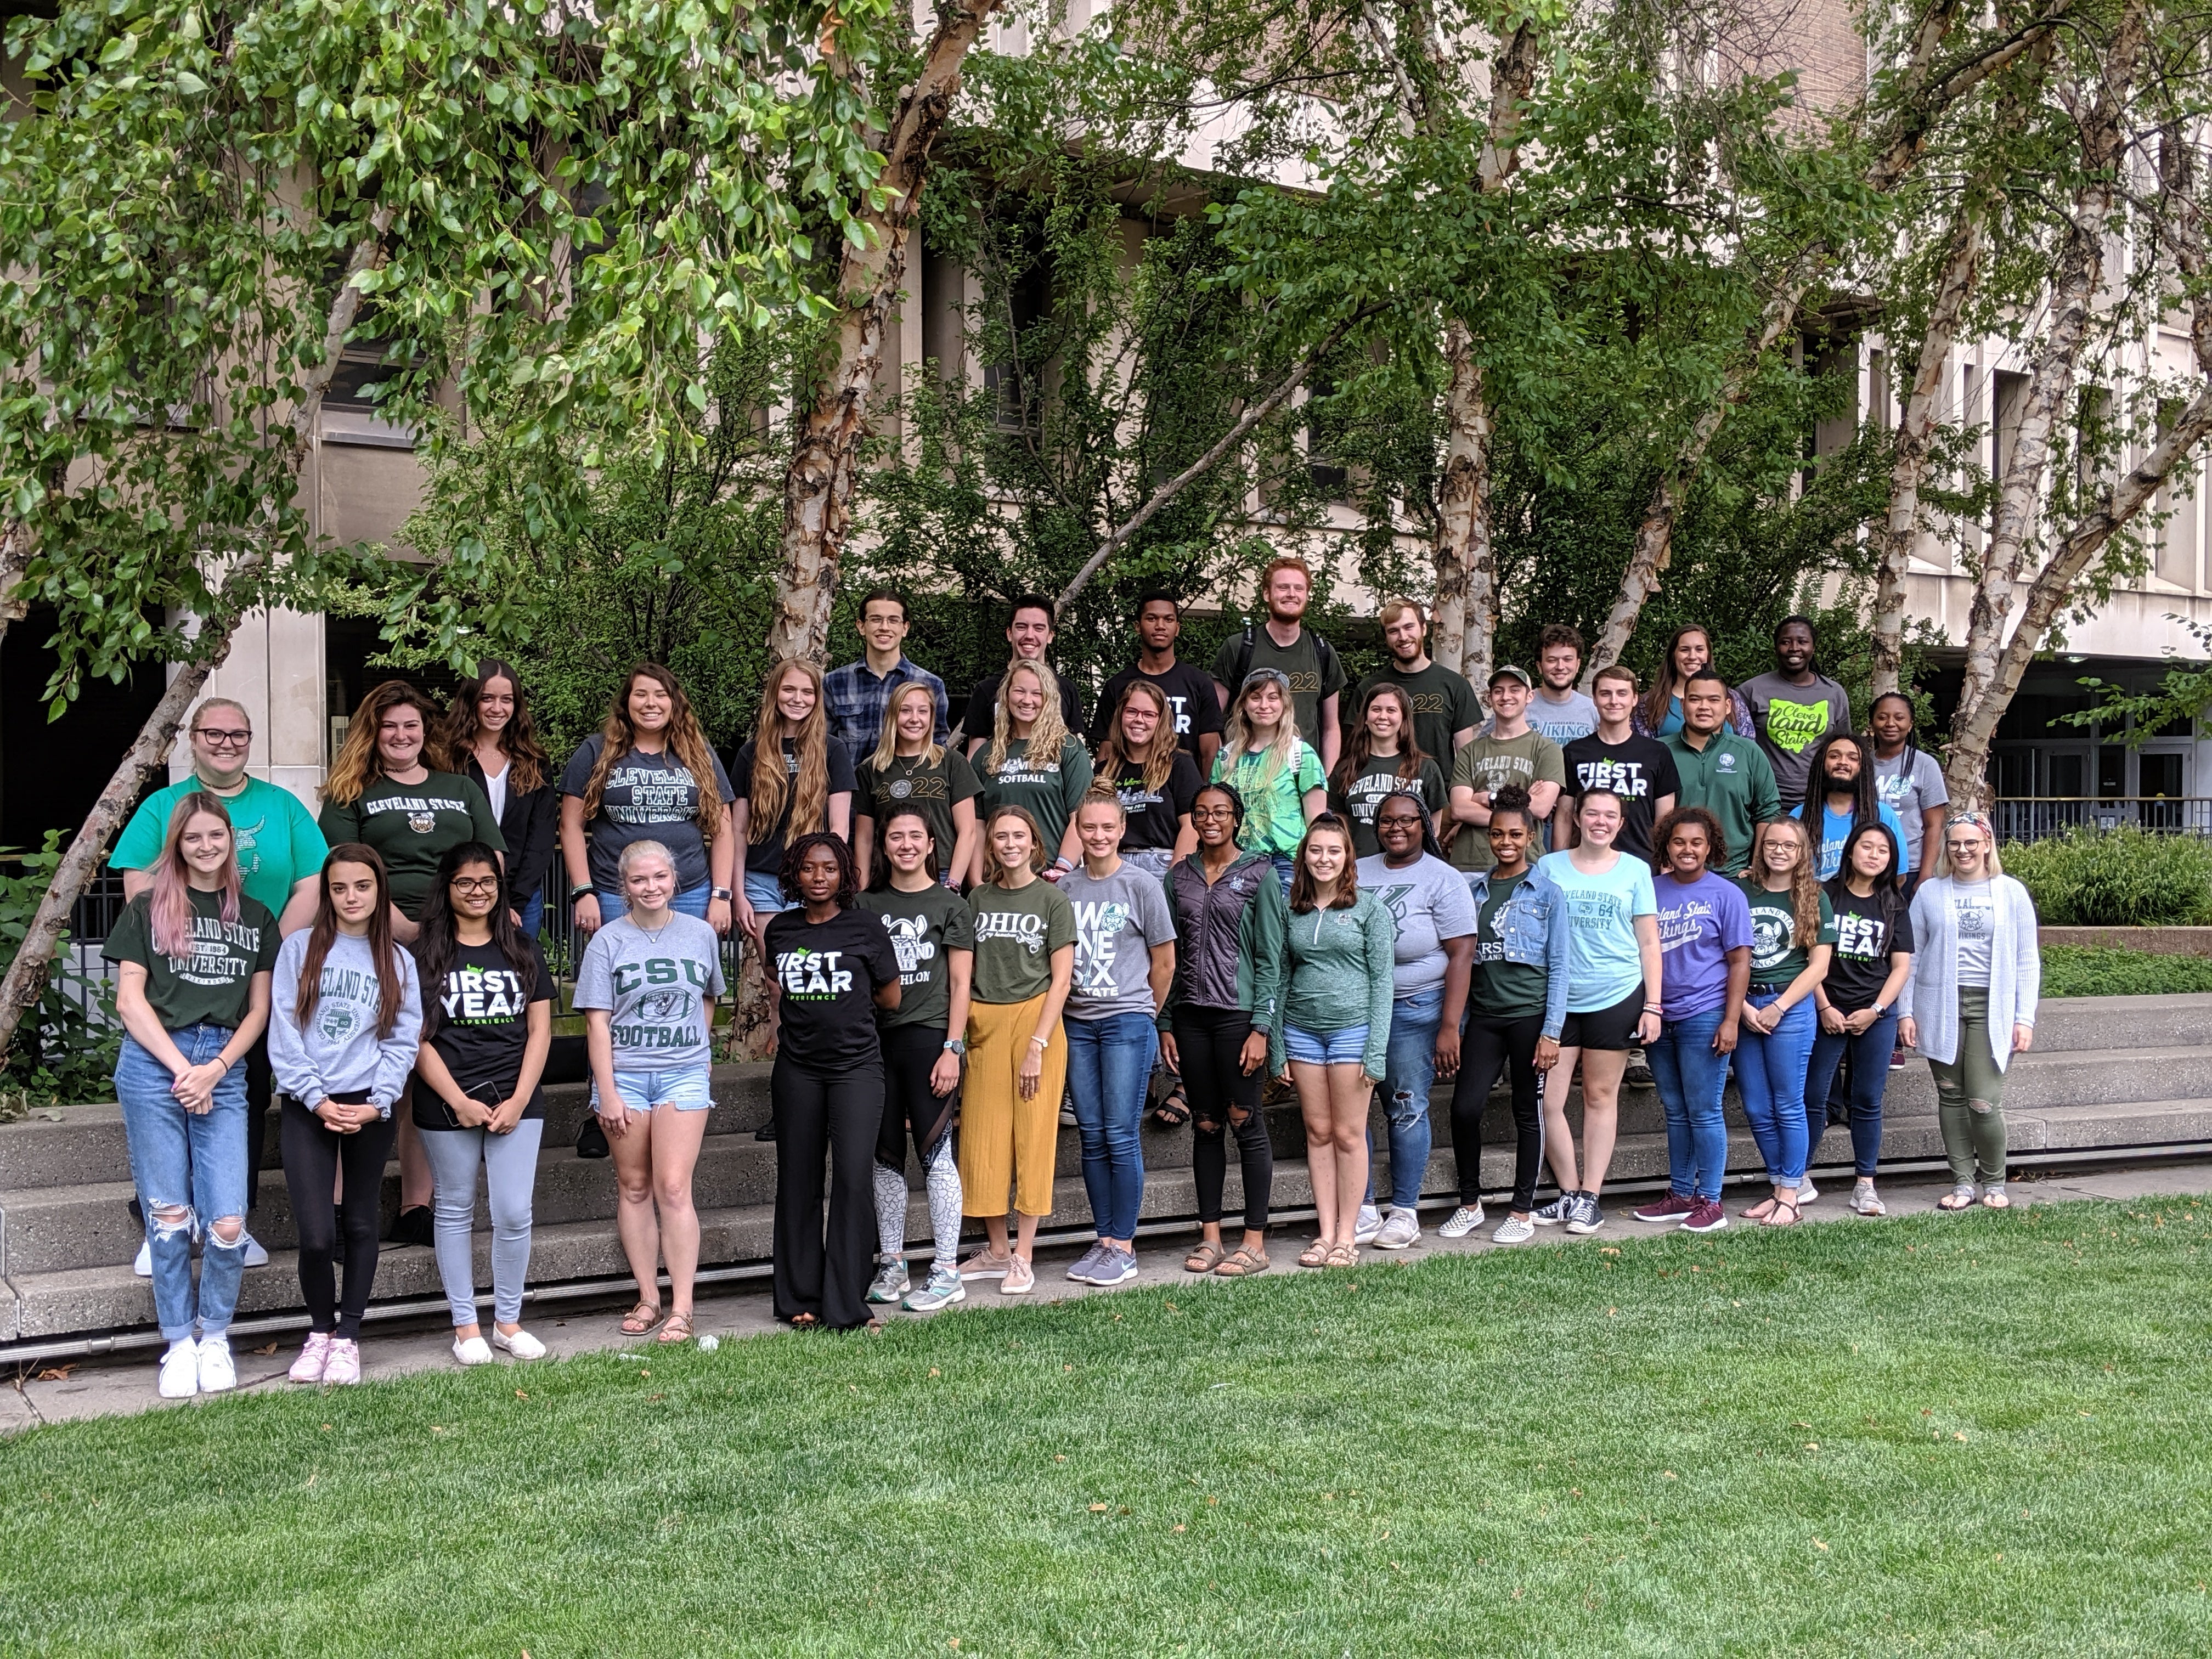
823	473
15	556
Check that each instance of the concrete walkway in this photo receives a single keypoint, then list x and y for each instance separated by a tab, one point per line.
61	1392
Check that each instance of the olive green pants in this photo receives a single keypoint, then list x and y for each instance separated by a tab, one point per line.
1967	1091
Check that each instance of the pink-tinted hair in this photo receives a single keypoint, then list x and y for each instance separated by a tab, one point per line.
172	902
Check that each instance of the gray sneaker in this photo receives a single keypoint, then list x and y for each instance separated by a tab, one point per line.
890	1281
1401	1229
1087	1264
1115	1266
943	1288
1368	1224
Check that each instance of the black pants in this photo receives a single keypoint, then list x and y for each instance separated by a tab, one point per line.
1487	1048
315	1154
910	1106
840	1117
1210	1042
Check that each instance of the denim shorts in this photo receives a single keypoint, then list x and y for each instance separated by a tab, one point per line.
764	894
1345	1048
687	1088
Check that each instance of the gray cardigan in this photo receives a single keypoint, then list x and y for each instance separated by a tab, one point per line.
1930	996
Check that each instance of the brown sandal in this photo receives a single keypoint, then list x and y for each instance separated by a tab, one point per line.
1343	1256
678	1329
1242	1263
1781	1206
641	1319
1315	1254
1205	1256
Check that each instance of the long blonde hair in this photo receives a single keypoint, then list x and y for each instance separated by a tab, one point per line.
886	753
686	741
1047	732
1114	756
359	762
1282	753
809	793
1804	880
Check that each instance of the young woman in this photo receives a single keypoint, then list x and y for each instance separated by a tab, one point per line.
1970	1003
492	739
1793	930
1124	962
1332	1036
1381	759
342	1040
193	955
833	967
1017	1052
1230	918
1274	771
910	767
932	932
1858	999
646	989
1839	796
647	774
1909	782
487	1025
1516	1004
1659	714
1613	986
1155	779
793	779
1032	763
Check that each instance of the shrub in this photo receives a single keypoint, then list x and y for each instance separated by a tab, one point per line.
2071	970
64	1052
2121	877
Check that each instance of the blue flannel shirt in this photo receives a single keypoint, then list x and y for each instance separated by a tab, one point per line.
856	699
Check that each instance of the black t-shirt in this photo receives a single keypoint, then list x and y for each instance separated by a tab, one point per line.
1156	816
1864	943
766	857
1192	705
825	976
1637	770
983	708
483	1025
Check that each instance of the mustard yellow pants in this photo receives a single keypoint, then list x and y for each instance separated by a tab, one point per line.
1005	1139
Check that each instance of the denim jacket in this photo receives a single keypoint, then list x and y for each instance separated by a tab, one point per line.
1532	927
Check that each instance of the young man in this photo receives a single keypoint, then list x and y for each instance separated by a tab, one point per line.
1558	710
1509	751
1636	769
280	860
1795	706
854	694
1029	632
1841	793
1446	711
1283	643
1726	773
1196	710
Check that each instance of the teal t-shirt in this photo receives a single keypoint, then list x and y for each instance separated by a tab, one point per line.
279	845
1604	961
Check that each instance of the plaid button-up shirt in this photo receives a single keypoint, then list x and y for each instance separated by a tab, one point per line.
856	699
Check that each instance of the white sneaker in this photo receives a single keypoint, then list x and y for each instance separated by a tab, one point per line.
521	1344
344	1364
1514	1230
218	1375
472	1350
1401	1229
1368	1224
142	1263
257	1255
181	1369
1463	1221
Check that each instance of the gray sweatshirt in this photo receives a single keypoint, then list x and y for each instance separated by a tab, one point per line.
339	1052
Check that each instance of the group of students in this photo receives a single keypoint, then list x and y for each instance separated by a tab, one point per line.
961	926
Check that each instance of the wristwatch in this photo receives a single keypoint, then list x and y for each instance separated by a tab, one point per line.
957	1046
722	893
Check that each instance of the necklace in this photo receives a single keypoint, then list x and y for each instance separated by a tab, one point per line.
652	934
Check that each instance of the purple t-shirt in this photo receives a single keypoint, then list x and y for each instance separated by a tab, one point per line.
1698	924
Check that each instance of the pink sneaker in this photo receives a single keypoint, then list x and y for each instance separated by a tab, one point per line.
314	1355
344	1363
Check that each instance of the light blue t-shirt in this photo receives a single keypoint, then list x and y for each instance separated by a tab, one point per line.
1604	963
1836	829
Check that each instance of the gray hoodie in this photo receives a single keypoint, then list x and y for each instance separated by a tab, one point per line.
339	1052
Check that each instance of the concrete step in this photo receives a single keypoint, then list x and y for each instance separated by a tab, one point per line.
2063	1023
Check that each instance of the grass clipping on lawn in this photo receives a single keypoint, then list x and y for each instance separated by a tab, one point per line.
1976	1435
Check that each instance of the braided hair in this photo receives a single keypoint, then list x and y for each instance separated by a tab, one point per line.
848	882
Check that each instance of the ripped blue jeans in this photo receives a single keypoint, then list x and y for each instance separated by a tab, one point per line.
1409	1069
194	1161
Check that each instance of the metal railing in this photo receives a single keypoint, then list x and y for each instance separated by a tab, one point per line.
564	944
2033	818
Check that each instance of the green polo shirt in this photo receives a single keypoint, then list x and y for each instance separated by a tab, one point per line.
1732	779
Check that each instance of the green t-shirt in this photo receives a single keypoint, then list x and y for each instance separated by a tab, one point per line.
215	984
1376	783
908	782
1500	989
412	826
1050	790
1274	807
1300	664
1444	704
923	927
278	845
1491	763
1017	931
1776	954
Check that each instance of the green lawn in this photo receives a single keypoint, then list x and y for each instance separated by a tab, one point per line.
2073	970
1981	1435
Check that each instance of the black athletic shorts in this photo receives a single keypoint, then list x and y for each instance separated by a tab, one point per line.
1609	1031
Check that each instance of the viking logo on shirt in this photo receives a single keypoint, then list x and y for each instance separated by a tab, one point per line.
422	823
911	944
812	973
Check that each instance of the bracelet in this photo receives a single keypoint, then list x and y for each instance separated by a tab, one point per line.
1655	1008
1042	1042
224	1064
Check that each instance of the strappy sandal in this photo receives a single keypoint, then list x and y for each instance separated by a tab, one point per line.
1343	1256
1959	1198
1315	1254
1996	1198
1761	1210
803	1322
678	1329
1773	1216
1204	1258
1242	1263
1174	1109
641	1319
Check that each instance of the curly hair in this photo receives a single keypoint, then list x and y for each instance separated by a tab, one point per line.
848	883
1663	832
1804	888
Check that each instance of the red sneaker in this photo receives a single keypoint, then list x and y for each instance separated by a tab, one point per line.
1673	1207
1706	1216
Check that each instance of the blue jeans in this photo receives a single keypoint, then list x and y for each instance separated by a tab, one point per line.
764	893
532	914
1690	1076
191	1160
1770	1074
692	902
1409	1069
1109	1065
1869	1052
1285	865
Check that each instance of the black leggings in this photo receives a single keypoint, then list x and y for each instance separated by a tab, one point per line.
1487	1048
1210	1041
314	1155
840	1116
910	1106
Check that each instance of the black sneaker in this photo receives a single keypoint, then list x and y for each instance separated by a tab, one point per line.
412	1226
766	1132
1585	1217
1551	1214
592	1139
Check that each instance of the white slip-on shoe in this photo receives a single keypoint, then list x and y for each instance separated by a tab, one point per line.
472	1350
521	1344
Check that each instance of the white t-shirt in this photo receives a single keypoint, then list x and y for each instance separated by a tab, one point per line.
495	789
